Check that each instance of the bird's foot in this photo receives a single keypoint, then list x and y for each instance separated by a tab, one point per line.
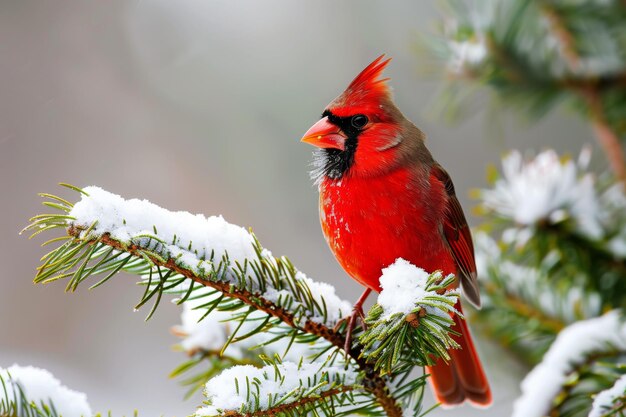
357	313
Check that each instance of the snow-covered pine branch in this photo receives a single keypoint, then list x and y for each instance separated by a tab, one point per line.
609	402
289	388
558	256
549	190
412	303
522	307
26	391
534	56
203	338
248	300
580	359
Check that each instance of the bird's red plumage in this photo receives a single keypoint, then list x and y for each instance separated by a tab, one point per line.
392	200
370	222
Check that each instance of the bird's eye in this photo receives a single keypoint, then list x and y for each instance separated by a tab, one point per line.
359	121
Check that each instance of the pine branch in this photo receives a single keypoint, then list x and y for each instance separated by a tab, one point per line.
595	373
526	306
14	403
244	279
560	32
541	53
610	402
34	392
296	408
585	359
606	136
398	338
556	216
281	389
375	384
212	363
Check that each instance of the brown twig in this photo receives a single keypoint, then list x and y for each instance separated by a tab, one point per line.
607	137
374	383
563	35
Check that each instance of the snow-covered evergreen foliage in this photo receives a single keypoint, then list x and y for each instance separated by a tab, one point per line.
261	336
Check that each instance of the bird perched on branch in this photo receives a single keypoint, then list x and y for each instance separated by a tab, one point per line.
384	197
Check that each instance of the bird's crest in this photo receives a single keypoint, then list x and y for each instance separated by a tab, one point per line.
367	89
368	78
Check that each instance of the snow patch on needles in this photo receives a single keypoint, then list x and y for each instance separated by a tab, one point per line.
209	247
248	389
404	286
610	399
552	190
412	317
41	387
466	54
546	189
323	294
573	346
193	239
210	333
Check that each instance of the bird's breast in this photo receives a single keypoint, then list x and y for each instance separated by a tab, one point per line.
369	223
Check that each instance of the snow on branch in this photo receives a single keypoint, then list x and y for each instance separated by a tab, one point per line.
546	189
30	391
282	387
205	340
573	347
610	401
108	234
239	299
559	254
412	303
211	248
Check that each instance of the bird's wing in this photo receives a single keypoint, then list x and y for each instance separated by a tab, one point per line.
457	234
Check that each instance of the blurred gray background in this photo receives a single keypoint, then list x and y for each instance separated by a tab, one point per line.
199	105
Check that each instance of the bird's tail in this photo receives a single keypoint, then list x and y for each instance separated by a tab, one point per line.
462	378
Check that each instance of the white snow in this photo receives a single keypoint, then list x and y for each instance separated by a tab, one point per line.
606	400
39	386
466	54
545	188
190	240
571	347
137	220
222	393
335	306
211	333
403	288
552	189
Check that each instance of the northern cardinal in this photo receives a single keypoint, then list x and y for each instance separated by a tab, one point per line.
384	197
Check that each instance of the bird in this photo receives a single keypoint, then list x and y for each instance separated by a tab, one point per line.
382	196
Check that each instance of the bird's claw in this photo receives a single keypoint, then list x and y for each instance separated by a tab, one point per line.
357	313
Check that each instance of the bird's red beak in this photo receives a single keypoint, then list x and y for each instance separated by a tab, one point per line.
324	134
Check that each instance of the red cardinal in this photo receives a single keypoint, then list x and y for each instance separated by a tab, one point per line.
384	197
